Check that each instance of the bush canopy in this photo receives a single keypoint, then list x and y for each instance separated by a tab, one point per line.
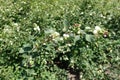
47	39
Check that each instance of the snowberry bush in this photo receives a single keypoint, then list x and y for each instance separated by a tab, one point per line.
47	39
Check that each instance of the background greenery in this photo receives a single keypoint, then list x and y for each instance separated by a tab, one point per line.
37	36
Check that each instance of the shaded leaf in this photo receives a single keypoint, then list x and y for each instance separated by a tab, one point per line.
27	47
88	37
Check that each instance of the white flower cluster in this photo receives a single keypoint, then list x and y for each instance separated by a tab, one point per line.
55	34
16	25
66	36
7	29
96	30
36	27
87	28
102	16
11	42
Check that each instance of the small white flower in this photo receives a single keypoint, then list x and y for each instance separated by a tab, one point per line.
54	40
55	34
87	28
91	14
72	61
11	43
36	27
7	30
59	49
97	28
81	76
101	15
1	39
57	39
66	36
30	58
78	32
69	45
95	32
61	38
109	18
44	43
104	17
18	28
82	12
87	46
99	71
15	24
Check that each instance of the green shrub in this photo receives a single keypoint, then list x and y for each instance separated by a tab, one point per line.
45	39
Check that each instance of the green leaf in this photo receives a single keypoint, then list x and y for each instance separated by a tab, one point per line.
27	47
77	37
21	50
30	78
31	71
49	31
88	37
65	24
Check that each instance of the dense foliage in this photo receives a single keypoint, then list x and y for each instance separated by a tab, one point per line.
44	39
